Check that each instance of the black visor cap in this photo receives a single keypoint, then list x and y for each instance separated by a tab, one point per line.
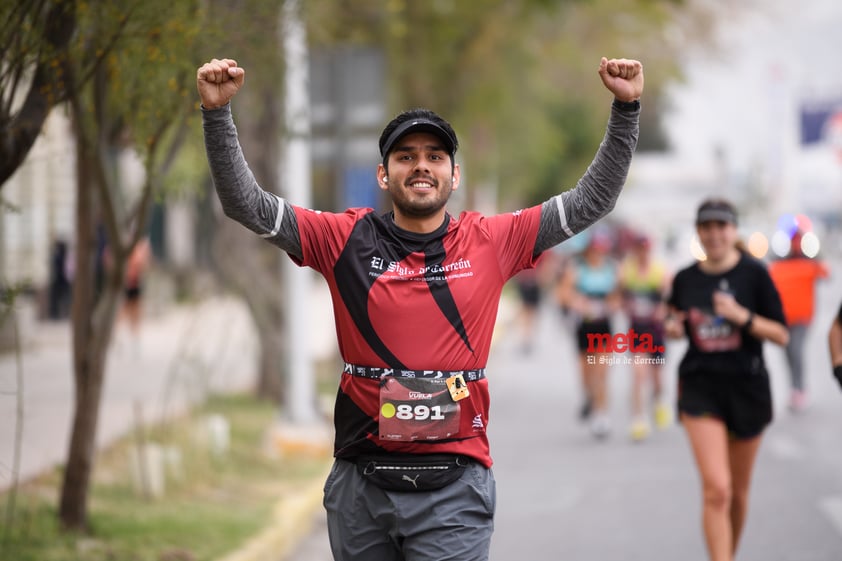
418	125
716	212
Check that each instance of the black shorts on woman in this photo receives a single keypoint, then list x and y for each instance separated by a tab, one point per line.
743	402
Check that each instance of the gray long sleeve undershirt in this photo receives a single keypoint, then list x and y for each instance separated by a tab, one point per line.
562	216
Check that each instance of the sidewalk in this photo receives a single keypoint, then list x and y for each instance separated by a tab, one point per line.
183	353
179	357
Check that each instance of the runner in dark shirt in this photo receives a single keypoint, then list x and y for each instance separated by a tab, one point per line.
726	306
835	343
415	293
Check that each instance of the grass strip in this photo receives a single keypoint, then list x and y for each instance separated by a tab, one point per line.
212	503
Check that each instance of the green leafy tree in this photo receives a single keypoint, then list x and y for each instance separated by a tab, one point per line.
517	78
125	69
138	56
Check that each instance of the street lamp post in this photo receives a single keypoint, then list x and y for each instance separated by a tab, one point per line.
296	177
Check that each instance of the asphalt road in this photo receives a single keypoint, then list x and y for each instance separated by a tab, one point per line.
564	495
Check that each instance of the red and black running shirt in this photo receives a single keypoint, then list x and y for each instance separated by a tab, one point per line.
413	301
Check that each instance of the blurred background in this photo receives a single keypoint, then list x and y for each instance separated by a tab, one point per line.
114	251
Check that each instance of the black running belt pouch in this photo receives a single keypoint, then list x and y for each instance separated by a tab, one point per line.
412	473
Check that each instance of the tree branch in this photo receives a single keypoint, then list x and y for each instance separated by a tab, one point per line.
48	88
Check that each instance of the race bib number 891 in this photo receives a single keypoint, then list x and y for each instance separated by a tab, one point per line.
417	409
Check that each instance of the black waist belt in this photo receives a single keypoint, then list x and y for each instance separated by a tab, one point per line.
412	473
376	373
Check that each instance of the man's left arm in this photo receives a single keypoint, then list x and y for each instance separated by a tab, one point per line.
595	194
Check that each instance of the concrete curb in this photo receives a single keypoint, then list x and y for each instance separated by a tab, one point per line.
291	521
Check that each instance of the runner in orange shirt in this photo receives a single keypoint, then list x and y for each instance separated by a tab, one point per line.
795	277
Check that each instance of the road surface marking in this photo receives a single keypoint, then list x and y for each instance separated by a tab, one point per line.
832	508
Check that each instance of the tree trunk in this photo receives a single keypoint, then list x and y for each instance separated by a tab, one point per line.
270	381
73	509
252	268
90	344
87	369
93	314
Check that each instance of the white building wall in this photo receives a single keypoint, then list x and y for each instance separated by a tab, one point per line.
38	205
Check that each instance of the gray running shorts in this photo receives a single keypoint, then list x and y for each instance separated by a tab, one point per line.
366	523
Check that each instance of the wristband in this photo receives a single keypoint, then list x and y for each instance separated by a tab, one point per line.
837	371
747	325
627	105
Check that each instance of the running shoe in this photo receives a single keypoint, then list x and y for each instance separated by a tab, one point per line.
600	427
586	409
797	401
663	415
639	429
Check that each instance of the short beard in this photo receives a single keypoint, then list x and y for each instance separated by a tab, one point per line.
423	209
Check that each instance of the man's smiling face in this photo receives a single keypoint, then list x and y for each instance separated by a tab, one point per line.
420	176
